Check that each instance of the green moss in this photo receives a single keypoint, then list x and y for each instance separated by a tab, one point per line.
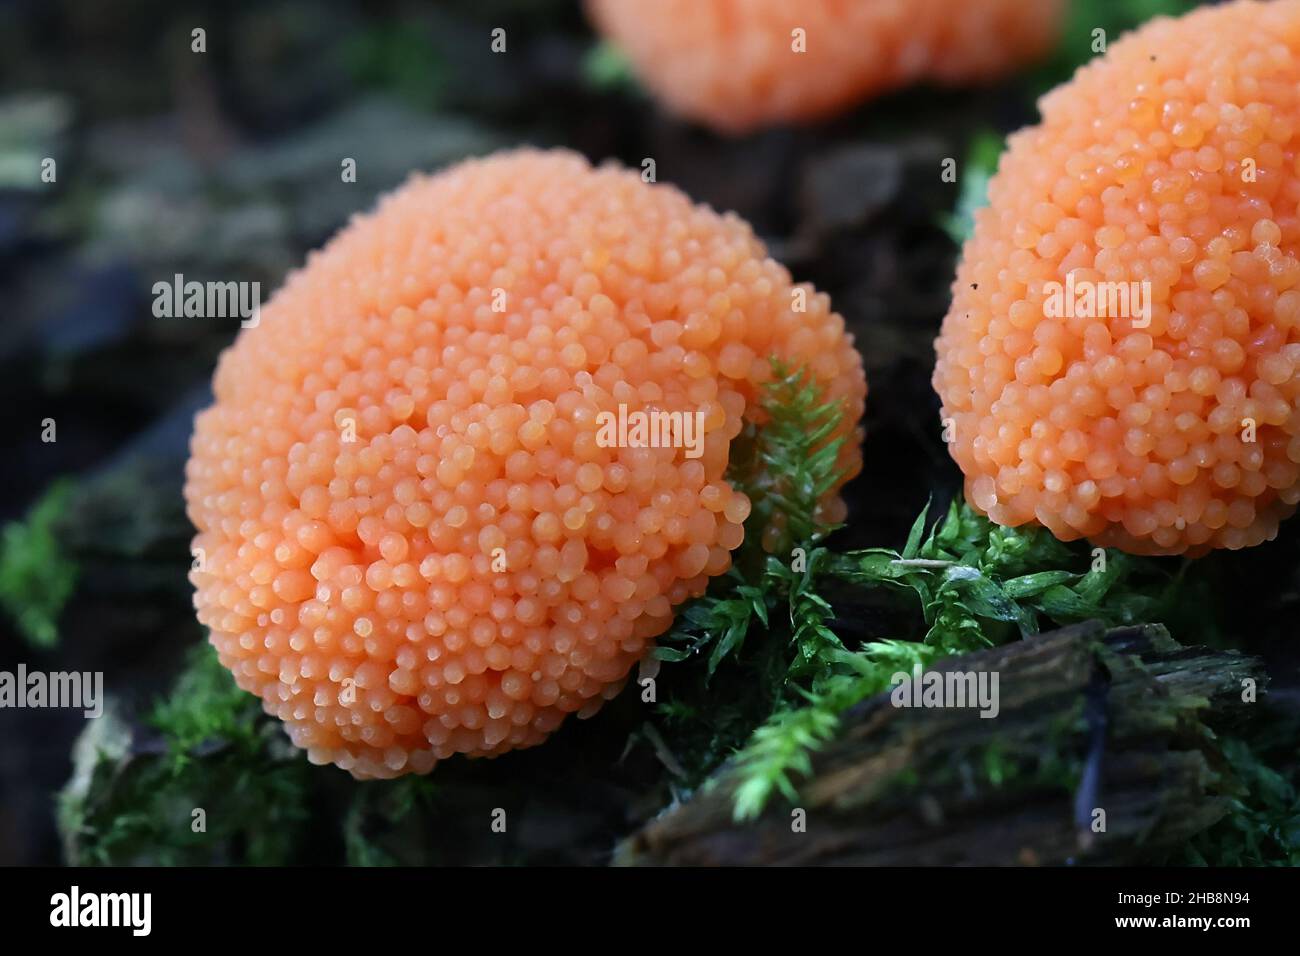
205	779
382	825
978	584
765	630
206	706
36	577
1262	827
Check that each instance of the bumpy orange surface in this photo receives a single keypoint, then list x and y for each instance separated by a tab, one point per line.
734	64
1174	161
415	542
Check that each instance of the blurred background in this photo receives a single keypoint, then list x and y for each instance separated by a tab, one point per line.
225	165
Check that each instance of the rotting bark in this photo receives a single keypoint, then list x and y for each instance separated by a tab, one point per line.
1120	721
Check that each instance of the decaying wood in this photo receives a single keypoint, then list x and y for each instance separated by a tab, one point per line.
1091	722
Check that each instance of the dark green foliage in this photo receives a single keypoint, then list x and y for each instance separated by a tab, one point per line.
976	584
206	705
36	577
971	574
1263	826
784	468
717	622
207	746
787	465
816	647
386	803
